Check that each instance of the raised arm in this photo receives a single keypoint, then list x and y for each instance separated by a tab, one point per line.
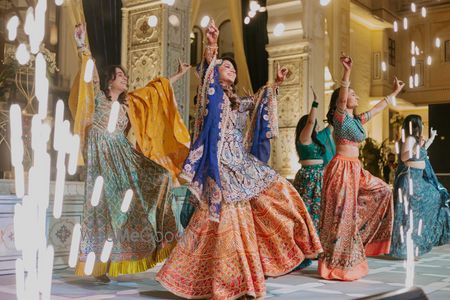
345	82
182	69
83	50
390	99
431	139
212	35
305	135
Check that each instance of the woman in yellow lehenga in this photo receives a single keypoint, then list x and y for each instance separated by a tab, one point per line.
145	233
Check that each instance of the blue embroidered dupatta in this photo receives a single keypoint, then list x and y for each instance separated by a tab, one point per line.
201	167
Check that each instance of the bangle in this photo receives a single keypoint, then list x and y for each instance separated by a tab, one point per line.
345	83
315	104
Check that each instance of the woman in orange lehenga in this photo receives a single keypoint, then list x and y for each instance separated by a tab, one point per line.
356	210
249	222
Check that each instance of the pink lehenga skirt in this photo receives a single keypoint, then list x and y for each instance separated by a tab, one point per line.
268	235
356	219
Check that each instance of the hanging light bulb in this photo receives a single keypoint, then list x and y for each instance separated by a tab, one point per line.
252	13
12	28
417	50
416	80
279	29
152	21
413	61
424	12
405	23
411	82
22	54
395	26
383	66
413	47
429	60
59	2
205	21
254	6
325	2
437	42
247	20
413	7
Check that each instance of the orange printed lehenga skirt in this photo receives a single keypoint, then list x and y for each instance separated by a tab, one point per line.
268	235
356	219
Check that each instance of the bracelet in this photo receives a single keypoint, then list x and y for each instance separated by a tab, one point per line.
345	83
315	104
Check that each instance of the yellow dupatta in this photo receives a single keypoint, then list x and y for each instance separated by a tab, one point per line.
158	126
81	103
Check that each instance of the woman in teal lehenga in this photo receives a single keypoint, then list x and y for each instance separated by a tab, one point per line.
315	149
426	199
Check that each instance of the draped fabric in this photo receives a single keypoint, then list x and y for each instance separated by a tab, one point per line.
256	38
81	103
263	125
104	27
202	163
154	107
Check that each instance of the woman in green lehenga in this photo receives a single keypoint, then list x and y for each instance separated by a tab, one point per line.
144	234
315	149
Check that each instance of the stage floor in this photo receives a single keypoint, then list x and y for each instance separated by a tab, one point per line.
432	275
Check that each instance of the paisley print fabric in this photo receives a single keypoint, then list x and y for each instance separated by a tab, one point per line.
355	219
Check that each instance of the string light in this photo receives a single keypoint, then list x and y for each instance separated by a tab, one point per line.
383	66
405	23
395	26
413	7
437	42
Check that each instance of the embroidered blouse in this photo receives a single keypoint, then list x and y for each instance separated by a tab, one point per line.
348	130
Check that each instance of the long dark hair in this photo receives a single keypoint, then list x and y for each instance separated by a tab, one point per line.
416	124
231	93
300	125
333	106
110	74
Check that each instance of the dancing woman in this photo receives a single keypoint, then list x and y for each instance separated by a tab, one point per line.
142	234
315	149
249	222
356	209
418	193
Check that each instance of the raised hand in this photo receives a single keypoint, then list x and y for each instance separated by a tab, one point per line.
182	67
433	133
398	85
314	93
80	35
282	74
346	61
212	33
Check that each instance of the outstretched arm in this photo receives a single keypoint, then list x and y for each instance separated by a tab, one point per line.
182	69
80	40
390	99
305	135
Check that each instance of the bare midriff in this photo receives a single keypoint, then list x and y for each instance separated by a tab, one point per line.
347	150
311	162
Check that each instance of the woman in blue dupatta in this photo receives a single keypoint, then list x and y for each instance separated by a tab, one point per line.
417	191
249	222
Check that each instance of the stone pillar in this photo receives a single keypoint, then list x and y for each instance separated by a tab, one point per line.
301	49
150	52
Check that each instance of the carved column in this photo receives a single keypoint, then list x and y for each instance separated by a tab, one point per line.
300	49
150	52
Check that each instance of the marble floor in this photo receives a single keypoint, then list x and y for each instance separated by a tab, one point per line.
432	275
